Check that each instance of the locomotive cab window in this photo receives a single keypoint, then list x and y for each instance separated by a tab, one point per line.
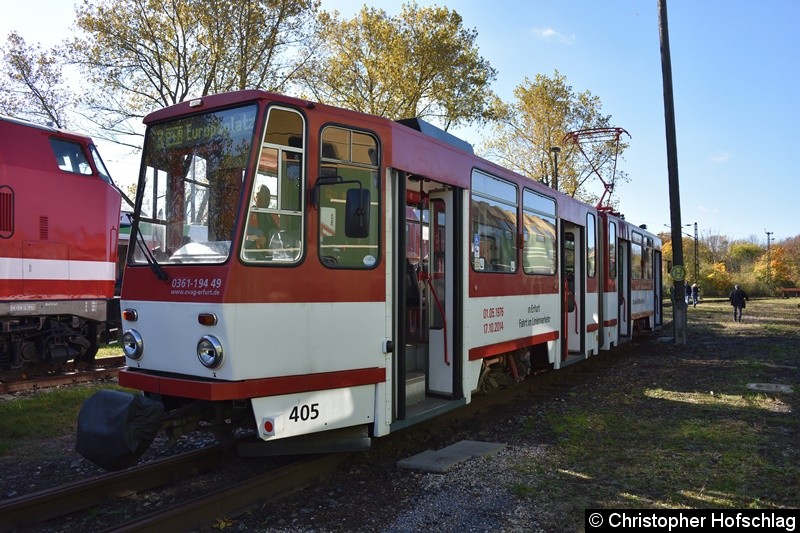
348	199
494	224
274	224
70	156
101	167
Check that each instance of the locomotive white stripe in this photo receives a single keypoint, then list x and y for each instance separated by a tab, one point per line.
15	268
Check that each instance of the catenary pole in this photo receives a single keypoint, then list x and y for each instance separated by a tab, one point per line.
679	303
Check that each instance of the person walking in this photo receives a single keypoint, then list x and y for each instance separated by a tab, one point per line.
695	294
738	300
688	296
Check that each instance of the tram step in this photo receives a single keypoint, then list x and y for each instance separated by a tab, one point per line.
415	387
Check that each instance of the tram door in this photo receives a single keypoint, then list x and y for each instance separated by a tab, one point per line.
658	296
428	336
439	293
624	288
572	279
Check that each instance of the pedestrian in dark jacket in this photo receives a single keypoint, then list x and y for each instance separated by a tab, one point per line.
695	294
738	300
688	293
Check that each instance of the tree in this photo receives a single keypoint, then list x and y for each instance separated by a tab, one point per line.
421	63
33	85
717	245
742	255
776	268
142	55
717	280
792	248
545	110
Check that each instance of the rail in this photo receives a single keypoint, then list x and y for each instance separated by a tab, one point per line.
59	501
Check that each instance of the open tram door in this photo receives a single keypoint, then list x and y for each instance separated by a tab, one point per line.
658	317
624	288
439	292
428	363
572	293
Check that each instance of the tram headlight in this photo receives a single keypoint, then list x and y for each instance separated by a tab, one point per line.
209	351
132	344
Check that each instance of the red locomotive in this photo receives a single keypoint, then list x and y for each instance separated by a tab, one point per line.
59	225
324	277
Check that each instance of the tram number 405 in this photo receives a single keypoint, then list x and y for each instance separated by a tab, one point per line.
302	413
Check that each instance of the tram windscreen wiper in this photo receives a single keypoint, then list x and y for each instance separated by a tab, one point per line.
149	257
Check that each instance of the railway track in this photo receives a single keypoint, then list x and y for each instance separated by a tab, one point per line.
34	510
59	501
236	498
68	374
40	506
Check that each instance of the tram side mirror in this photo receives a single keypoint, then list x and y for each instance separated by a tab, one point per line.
357	207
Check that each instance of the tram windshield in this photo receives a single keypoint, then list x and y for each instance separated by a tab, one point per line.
190	185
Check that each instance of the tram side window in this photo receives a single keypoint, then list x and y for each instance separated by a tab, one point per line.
637	256
493	224
647	259
70	156
612	250
591	245
538	233
274	226
349	162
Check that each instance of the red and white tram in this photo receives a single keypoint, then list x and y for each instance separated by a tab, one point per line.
326	276
59	226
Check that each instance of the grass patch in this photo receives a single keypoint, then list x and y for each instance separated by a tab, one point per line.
779	329
676	427
109	350
47	413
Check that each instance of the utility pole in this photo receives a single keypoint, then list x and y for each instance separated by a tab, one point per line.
678	270
555	150
769	280
696	257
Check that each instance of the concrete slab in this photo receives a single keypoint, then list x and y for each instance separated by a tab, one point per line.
443	460
770	387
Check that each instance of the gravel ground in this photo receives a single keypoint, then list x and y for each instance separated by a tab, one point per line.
474	496
374	494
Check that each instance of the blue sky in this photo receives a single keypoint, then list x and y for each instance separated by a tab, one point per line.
735	68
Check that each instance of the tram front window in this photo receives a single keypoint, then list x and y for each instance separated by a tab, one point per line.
190	186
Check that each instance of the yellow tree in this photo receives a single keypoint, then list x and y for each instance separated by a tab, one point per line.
743	255
776	268
717	280
545	110
420	63
792	248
